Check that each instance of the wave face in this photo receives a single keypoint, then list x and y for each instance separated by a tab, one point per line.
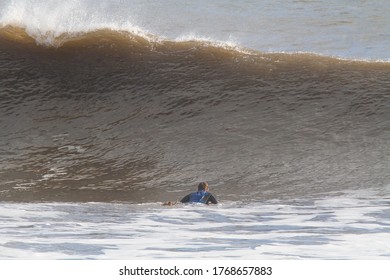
109	115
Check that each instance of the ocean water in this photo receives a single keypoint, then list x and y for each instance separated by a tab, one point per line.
110	108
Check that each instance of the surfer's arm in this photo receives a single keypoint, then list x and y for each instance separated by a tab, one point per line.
185	199
212	200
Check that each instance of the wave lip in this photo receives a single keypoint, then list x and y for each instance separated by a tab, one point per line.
189	43
52	24
51	21
125	37
252	25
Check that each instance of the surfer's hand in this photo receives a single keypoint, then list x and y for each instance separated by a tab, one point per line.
169	203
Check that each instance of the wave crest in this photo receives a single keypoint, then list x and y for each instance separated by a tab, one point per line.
141	41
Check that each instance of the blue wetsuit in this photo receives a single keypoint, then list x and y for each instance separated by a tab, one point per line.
199	197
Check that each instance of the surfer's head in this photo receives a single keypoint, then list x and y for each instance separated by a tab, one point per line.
203	186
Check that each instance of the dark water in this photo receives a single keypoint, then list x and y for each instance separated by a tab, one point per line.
111	116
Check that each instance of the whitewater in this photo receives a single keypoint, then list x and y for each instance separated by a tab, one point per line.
352	226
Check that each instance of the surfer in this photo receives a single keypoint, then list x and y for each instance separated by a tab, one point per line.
201	196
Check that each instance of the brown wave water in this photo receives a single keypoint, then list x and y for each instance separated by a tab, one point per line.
108	116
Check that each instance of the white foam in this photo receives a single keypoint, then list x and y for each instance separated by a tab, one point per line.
49	20
231	43
45	21
347	226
